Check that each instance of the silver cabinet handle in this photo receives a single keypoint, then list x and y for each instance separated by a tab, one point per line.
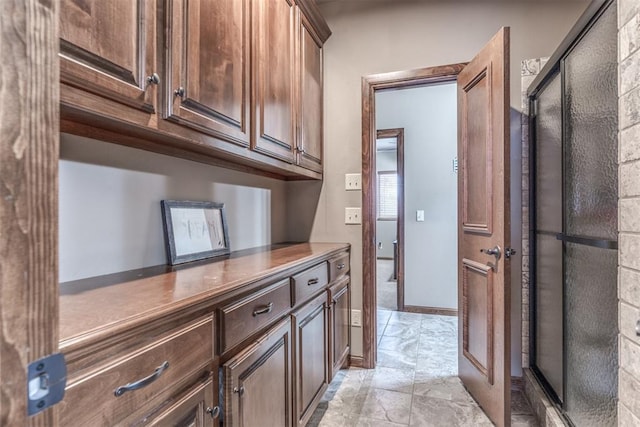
214	412
264	309
153	79
179	92
143	382
340	266
313	281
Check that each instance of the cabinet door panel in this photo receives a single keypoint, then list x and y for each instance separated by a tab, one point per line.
273	44
339	326
257	388
311	356
109	48
310	144
209	67
194	409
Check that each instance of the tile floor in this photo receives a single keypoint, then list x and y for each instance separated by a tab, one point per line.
414	384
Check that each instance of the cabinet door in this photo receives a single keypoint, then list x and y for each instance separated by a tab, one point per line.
208	64
309	150
273	77
109	47
257	382
197	408
311	350
339	325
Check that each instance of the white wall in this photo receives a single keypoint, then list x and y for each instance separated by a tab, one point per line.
110	218
429	118
386	230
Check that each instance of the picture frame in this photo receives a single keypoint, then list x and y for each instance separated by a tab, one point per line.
194	230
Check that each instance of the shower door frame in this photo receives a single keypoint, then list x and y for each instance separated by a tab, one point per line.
553	67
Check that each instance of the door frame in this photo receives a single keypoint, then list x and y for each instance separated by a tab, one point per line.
398	134
371	84
29	121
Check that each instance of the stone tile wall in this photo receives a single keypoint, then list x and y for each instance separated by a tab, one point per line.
629	211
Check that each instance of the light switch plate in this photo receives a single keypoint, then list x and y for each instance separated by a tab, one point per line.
420	215
352	216
356	318
353	181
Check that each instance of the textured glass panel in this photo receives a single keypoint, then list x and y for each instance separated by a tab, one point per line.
549	310
591	334
549	158
591	195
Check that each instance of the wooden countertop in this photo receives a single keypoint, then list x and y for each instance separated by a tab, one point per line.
109	302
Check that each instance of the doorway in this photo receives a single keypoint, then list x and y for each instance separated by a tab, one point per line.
371	86
390	219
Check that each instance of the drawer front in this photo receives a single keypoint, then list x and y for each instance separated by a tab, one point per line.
339	266
310	282
241	319
108	397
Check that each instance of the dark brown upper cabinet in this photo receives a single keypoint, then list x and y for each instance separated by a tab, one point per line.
309	148
109	48
207	67
241	80
273	78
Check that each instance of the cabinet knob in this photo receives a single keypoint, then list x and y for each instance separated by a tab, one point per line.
179	92
239	391
153	79
214	412
638	328
300	150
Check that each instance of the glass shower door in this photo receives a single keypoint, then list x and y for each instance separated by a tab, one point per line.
591	225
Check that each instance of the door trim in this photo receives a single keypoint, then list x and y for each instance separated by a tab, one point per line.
398	134
29	121
371	84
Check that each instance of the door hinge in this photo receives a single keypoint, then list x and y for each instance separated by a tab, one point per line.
46	381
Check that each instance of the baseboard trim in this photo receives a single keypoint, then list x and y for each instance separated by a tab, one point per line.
356	361
431	310
517	384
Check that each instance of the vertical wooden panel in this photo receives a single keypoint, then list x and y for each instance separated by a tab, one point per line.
273	59
29	117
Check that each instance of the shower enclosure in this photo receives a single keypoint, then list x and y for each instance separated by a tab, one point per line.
573	221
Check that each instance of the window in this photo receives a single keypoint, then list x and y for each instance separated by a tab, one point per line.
387	195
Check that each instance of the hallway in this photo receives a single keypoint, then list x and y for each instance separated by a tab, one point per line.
414	383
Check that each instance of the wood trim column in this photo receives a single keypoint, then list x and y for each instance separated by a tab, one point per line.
29	124
370	84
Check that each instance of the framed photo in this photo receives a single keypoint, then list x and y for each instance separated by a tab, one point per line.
194	230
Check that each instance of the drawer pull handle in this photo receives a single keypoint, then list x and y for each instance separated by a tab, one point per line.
143	382
340	266
214	412
313	281
239	391
264	309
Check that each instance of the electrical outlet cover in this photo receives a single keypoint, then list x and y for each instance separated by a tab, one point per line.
353	181
352	216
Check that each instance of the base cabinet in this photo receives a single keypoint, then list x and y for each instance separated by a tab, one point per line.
197	408
257	382
339	321
311	345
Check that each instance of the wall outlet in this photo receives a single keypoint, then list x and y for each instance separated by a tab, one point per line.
420	216
352	216
356	318
353	181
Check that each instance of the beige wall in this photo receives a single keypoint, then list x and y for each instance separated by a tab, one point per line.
110	218
374	37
